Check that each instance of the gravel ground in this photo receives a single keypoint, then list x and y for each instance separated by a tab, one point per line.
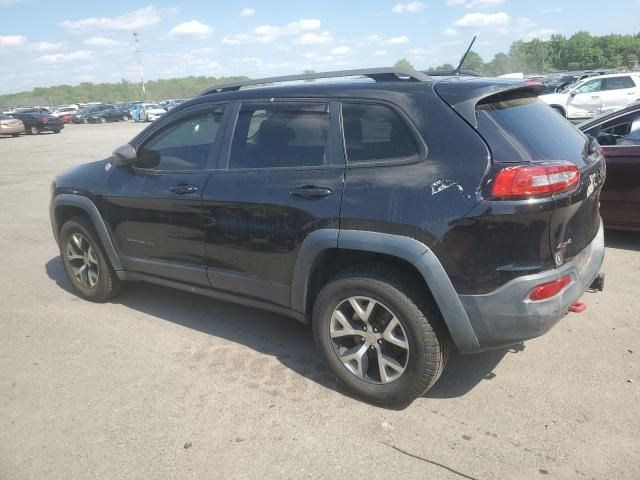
161	384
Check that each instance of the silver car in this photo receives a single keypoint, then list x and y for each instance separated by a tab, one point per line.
10	126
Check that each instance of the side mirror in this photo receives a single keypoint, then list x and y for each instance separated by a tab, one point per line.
573	93
125	155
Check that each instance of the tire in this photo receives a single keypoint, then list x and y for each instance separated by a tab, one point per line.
107	285
33	130
421	331
15	135
125	118
56	130
84	120
103	120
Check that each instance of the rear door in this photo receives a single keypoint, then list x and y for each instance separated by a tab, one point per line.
618	92
282	180
154	208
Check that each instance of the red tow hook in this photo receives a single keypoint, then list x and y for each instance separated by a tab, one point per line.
578	307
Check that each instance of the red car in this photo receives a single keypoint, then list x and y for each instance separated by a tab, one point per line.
619	135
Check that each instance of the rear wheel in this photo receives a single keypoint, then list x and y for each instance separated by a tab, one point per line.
33	130
57	130
382	339
85	261
84	120
125	118
103	120
15	135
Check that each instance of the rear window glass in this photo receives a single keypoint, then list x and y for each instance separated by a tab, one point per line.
520	127
375	132
618	83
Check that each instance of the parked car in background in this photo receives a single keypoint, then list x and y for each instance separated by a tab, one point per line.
595	95
35	123
618	133
65	112
10	126
147	112
81	115
109	115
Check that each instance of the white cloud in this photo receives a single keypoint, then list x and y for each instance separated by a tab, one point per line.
56	58
449	32
102	42
380	53
453	3
341	51
372	38
484	3
194	28
270	33
312	38
482	20
417	52
542	34
523	24
8	2
411	7
137	19
12	40
247	12
552	10
398	40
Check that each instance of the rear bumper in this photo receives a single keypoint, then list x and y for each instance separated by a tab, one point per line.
4	130
507	316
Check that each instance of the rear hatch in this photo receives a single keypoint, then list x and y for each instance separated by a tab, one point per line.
520	129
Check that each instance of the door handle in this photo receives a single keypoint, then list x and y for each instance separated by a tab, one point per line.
595	97
311	192
183	189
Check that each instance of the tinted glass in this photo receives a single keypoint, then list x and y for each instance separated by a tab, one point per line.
280	136
519	127
617	83
375	132
623	130
184	146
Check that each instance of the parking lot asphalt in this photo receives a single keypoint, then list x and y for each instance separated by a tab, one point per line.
161	384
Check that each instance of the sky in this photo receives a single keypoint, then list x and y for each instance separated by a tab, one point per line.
45	43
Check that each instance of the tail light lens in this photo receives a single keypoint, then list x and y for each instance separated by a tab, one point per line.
538	180
548	290
45	120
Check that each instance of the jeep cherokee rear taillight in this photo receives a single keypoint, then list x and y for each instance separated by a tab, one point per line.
535	180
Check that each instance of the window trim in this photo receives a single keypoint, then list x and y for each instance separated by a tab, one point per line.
420	156
213	158
332	160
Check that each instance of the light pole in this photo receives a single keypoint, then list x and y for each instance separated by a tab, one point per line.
136	36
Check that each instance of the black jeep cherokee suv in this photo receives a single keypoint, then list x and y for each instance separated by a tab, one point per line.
395	213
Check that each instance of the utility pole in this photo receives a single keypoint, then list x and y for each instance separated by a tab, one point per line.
136	36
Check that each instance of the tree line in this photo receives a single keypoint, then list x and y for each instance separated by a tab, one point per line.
581	51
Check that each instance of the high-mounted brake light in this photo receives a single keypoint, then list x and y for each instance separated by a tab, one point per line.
550	289
539	180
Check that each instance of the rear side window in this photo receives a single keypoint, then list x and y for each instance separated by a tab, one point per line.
617	83
519	127
375	132
280	135
183	146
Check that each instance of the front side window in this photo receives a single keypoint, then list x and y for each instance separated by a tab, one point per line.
280	135
618	83
375	132
624	130
185	145
590	86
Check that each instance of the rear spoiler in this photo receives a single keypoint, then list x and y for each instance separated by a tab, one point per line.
463	94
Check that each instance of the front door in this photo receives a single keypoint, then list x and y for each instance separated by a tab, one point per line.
154	208
587	97
283	181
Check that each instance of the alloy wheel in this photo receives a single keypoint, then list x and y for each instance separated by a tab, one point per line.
83	260
369	340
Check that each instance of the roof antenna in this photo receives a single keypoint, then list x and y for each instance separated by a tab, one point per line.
464	57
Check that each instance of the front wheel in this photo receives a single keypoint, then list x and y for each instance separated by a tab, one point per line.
85	261
14	135
33	130
383	340
103	120
57	130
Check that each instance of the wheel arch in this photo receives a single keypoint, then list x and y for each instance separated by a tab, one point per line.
65	206
316	262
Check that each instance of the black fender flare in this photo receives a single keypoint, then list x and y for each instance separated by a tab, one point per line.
85	204
405	248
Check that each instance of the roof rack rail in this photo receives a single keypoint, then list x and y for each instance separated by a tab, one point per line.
377	74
